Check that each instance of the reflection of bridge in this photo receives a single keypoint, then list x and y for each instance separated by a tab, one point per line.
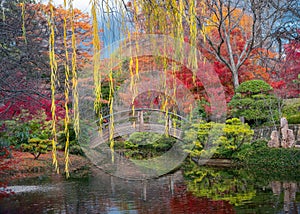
141	120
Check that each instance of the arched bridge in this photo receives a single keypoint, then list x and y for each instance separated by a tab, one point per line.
126	122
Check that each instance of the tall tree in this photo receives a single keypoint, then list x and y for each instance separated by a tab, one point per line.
286	75
236	31
24	64
233	31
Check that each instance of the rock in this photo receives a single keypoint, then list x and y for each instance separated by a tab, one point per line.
276	187
274	142
284	123
290	139
287	135
284	127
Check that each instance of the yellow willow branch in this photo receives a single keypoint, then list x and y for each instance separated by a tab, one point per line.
111	122
53	68
174	84
67	89
134	78
96	62
131	74
193	36
180	29
23	21
136	11
74	86
132	81
203	30
74	72
137	60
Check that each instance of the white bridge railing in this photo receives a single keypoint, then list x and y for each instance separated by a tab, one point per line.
140	120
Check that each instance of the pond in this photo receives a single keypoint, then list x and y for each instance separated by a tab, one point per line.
188	190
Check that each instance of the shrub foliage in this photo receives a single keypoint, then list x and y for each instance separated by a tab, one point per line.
254	102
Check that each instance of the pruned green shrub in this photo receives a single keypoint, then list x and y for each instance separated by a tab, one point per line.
37	146
31	133
254	87
235	135
143	145
219	140
254	102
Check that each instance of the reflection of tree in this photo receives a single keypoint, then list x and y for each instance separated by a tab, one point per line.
289	194
216	184
188	203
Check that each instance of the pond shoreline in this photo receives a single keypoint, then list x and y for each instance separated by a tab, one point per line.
21	165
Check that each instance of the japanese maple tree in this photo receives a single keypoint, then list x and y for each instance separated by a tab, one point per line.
286	78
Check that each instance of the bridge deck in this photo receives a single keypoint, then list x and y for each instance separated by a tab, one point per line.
128	128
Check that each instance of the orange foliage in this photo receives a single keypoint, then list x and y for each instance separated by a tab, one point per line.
234	17
83	31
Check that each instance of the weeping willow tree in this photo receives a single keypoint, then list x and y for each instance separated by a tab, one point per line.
175	18
63	54
53	66
134	18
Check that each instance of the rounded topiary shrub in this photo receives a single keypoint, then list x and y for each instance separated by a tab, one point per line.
255	102
254	87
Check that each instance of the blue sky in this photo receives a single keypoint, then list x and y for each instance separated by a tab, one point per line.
109	36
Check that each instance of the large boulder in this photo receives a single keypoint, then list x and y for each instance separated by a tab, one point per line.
274	142
287	135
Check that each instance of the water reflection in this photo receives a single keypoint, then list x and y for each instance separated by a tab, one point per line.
243	188
101	193
289	190
232	185
192	190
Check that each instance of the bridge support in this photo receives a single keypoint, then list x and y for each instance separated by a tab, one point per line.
141	121
168	125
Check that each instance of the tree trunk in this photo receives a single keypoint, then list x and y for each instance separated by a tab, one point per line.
36	155
235	78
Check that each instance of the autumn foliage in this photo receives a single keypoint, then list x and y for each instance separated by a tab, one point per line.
286	79
25	71
4	167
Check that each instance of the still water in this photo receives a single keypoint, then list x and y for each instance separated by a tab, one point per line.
201	190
